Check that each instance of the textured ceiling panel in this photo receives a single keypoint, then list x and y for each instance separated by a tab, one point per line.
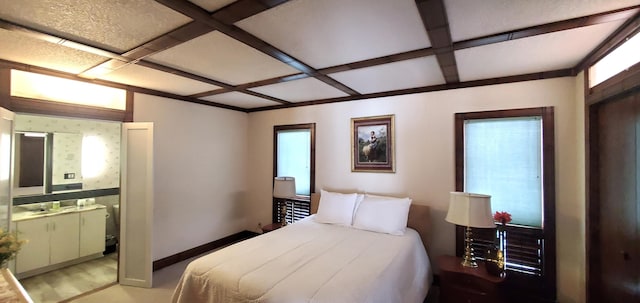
150	78
332	32
473	18
211	5
219	57
113	25
300	90
393	76
240	100
22	49
547	52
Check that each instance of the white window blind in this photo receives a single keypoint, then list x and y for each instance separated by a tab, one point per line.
503	158
294	157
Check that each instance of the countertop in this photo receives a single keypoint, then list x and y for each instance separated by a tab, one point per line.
20	214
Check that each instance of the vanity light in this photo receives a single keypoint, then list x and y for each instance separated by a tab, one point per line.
94	155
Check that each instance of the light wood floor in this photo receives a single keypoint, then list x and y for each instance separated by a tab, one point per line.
68	282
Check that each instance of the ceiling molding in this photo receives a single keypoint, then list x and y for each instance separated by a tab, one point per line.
178	36
229	88
414	54
484	82
243	9
434	17
198	14
486	40
273	81
432	12
240	9
547	28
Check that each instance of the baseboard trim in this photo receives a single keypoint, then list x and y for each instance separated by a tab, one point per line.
190	253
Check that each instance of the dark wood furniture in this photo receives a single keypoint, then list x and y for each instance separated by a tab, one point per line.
271	227
467	285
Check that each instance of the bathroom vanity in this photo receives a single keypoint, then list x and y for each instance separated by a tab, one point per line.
58	236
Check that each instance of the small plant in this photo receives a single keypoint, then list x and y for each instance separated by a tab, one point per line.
502	217
9	246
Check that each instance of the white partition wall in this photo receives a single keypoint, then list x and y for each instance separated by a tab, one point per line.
136	205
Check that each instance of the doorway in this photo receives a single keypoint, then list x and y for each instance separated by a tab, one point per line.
613	211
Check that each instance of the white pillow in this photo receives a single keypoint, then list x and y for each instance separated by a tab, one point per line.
383	214
335	208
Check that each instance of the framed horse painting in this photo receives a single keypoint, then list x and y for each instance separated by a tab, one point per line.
372	143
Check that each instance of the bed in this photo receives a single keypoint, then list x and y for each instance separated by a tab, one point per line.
315	261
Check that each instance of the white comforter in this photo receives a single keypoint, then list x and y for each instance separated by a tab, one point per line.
311	262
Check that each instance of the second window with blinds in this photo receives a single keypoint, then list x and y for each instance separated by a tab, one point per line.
509	154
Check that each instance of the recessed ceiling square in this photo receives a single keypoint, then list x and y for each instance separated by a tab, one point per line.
240	100
306	89
219	57
333	32
113	25
554	51
23	49
150	78
472	18
393	76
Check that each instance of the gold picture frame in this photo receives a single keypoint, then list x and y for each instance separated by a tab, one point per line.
373	144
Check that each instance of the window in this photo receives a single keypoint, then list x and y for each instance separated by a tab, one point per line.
615	62
510	155
294	156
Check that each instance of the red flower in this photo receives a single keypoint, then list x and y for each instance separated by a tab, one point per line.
502	217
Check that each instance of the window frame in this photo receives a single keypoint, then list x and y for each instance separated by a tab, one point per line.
517	281
299	206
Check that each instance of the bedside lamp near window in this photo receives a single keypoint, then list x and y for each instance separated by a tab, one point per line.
283	188
470	210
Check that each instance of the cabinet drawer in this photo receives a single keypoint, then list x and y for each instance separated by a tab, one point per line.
458	294
469	281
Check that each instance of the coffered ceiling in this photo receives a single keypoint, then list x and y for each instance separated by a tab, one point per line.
252	55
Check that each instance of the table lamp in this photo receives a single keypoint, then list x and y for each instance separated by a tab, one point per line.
284	187
470	210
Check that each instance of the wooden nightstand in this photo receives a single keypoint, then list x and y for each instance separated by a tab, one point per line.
467	285
271	227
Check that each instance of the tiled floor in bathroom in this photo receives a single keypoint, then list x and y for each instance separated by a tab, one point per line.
71	281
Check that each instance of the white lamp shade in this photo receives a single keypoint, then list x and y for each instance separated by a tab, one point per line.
284	187
473	210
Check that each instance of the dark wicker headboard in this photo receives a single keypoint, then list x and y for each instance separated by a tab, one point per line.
419	217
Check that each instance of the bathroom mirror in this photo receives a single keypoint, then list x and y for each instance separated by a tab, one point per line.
47	162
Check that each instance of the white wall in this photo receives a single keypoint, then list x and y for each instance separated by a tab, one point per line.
425	157
200	169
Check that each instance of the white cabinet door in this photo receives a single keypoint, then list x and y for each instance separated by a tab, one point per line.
65	237
35	253
93	226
